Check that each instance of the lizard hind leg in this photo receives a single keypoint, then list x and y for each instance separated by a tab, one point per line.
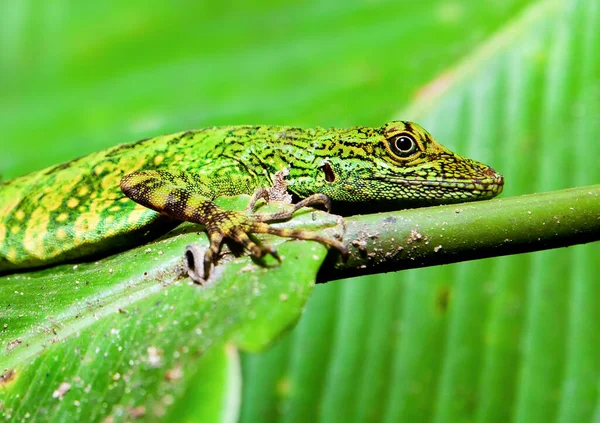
187	197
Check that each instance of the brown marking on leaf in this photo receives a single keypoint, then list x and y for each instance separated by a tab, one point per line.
7	377
443	299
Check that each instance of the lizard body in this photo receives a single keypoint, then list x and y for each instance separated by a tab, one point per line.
84	207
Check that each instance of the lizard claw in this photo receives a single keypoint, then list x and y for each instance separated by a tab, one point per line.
234	226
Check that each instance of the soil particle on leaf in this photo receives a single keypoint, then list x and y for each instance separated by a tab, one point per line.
396	252
360	244
13	344
247	268
414	236
154	357
174	374
62	390
138	412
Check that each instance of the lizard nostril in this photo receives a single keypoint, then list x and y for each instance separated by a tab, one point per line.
491	173
498	180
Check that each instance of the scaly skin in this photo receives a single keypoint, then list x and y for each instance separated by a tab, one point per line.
84	207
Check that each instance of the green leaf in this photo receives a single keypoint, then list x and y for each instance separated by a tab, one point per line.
126	336
514	84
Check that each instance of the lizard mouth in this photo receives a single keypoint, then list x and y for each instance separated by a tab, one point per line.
490	186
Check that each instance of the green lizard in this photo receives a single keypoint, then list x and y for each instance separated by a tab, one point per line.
84	207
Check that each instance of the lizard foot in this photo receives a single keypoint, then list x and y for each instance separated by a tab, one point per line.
237	227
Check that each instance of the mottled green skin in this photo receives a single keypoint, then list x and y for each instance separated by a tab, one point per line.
77	209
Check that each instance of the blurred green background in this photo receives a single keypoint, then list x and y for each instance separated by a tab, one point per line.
515	84
81	76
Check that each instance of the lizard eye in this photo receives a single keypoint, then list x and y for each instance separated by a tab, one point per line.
403	145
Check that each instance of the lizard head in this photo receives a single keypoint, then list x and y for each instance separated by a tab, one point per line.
400	162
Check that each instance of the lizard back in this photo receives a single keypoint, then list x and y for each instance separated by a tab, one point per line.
77	209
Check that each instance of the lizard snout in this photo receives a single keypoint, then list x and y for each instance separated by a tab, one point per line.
498	179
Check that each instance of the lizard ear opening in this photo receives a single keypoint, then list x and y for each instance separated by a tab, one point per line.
329	175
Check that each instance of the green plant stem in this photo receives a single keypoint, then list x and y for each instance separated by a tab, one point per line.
431	236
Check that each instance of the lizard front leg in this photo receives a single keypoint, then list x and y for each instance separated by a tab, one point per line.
278	192
188	198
